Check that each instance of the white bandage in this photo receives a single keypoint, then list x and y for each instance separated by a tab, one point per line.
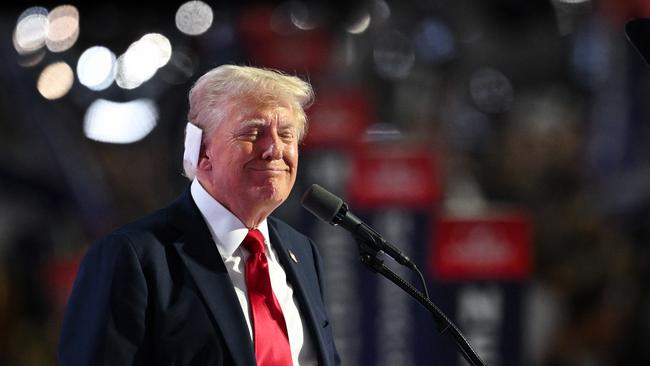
193	136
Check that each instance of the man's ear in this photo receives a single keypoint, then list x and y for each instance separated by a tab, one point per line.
205	163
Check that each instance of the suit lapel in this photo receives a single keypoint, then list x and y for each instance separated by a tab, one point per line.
297	277
203	261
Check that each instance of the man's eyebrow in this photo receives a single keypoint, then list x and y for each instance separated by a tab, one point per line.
252	122
287	126
261	122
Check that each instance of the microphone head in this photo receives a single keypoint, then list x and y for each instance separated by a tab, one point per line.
321	203
638	32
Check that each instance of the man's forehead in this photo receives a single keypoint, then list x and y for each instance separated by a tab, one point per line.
252	103
283	115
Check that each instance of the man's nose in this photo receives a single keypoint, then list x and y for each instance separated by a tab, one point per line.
272	147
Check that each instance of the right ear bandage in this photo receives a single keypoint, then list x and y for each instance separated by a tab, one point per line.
193	138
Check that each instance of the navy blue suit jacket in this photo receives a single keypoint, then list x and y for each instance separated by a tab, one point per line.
157	292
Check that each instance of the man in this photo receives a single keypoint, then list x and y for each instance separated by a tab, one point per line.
212	279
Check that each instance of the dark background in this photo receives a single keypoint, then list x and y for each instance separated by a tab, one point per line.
539	105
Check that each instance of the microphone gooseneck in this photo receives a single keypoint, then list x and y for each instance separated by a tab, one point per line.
334	211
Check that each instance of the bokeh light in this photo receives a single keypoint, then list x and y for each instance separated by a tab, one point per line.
161	45
180	67
380	10
31	30
382	132
63	29
55	80
572	1
291	16
360	24
120	123
394	55
141	60
591	55
96	68
194	18
434	41
491	91
301	16
31	59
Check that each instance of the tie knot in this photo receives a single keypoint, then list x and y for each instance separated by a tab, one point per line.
254	241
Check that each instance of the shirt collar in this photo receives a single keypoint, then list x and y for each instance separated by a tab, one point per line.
227	230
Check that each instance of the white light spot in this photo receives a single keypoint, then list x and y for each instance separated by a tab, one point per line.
141	60
55	80
194	18
31	30
64	28
300	16
162	45
96	68
134	67
120	123
360	25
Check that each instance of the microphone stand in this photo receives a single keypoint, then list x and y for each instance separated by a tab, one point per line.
368	256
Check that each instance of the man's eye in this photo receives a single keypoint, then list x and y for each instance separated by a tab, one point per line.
249	135
287	135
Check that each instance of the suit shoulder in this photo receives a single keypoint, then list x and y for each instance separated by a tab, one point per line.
149	231
285	228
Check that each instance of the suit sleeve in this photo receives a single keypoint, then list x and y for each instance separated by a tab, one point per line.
104	322
336	359
318	264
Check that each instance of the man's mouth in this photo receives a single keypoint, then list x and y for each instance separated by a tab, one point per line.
270	170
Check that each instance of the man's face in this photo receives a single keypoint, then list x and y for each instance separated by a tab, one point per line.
250	159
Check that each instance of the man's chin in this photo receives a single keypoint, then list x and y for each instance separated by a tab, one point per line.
271	194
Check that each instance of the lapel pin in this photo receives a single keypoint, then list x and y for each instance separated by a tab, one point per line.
293	256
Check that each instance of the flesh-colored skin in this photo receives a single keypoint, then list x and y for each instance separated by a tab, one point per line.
249	160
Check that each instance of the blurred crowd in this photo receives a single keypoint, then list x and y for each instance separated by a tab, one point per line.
541	105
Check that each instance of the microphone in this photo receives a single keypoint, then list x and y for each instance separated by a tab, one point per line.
331	209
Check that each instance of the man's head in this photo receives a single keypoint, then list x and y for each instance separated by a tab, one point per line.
252	121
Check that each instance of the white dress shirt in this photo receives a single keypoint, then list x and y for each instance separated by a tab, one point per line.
228	233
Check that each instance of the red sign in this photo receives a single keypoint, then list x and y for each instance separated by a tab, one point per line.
283	46
495	247
338	119
403	177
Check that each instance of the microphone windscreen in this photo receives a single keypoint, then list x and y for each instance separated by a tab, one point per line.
321	203
638	32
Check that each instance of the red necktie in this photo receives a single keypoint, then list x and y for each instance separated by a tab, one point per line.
269	329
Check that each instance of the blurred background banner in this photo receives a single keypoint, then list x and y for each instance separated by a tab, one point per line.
394	189
503	144
481	266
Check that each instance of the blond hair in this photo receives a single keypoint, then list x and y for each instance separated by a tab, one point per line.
212	95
